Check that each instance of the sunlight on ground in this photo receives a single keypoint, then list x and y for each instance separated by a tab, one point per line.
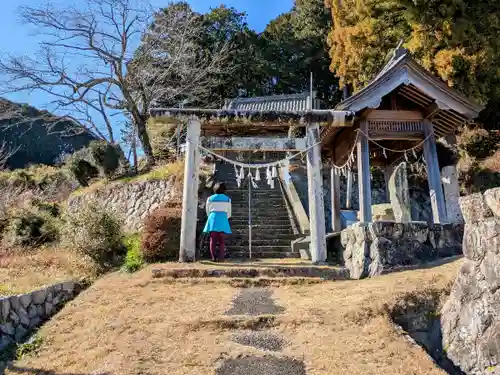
133	324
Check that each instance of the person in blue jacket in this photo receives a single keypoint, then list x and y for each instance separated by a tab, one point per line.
219	212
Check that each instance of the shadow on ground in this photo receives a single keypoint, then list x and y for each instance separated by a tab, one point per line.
418	315
254	302
266	365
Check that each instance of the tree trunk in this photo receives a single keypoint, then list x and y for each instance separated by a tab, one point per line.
143	136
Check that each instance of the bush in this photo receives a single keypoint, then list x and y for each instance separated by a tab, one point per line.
94	233
51	208
107	157
161	234
29	226
133	259
81	169
478	143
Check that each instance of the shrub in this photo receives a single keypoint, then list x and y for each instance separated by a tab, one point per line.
133	259
106	157
94	233
51	208
29	226
81	169
161	234
478	143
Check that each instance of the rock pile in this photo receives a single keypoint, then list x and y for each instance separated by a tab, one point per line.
470	319
22	313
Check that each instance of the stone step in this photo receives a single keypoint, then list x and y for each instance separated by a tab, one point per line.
261	216
261	254
259	243
265	228
261	248
240	235
261	222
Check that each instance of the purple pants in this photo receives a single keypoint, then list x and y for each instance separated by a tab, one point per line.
217	238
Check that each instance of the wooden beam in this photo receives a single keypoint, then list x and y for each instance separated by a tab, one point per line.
350	180
364	183
254	143
431	111
434	174
384	115
316	201
187	252
335	199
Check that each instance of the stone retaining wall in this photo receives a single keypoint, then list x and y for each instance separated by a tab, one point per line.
132	201
470	319
371	248
21	314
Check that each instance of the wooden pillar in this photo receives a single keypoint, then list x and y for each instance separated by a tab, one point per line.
434	175
364	183
350	180
335	198
315	193
187	252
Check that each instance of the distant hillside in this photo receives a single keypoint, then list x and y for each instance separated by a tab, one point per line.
41	138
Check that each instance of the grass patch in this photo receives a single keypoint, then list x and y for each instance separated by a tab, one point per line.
30	347
159	173
133	259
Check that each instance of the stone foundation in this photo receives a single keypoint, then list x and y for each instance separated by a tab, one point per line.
21	314
470	319
371	248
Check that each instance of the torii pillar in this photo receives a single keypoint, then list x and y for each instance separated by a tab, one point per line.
364	177
316	199
187	251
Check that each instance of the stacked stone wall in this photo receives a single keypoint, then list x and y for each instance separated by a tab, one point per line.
372	248
21	314
470	319
132	201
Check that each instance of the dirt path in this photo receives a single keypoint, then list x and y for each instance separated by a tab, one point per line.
133	324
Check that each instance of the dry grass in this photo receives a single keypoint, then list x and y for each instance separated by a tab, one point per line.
133	324
24	271
174	170
492	163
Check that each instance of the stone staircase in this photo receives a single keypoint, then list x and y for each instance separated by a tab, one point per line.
272	231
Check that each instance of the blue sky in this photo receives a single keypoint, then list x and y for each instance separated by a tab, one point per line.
18	39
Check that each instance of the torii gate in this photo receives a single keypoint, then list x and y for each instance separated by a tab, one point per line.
210	119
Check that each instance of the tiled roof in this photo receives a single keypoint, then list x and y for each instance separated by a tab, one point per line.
293	102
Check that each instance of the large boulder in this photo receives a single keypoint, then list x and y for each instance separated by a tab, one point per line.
470	319
399	194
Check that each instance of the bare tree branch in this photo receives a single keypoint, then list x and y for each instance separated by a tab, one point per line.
6	153
88	64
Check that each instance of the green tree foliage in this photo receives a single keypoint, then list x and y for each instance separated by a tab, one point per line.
106	156
295	45
276	61
455	39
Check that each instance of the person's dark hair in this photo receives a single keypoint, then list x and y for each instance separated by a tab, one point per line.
220	188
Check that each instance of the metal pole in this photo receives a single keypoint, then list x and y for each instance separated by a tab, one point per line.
249	215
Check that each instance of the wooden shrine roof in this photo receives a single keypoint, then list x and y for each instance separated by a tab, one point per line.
408	79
